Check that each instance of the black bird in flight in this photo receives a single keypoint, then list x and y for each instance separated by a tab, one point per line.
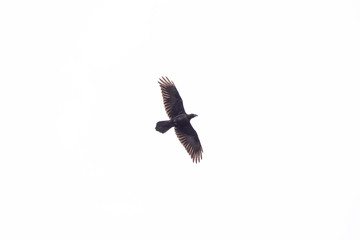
179	119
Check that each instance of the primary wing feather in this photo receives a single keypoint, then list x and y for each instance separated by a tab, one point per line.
190	140
172	100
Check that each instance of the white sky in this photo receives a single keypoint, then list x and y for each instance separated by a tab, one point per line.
276	88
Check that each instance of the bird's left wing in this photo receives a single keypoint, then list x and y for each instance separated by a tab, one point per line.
172	100
190	140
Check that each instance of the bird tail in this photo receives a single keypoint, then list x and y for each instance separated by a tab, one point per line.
163	126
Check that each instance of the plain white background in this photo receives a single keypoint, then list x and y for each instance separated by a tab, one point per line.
276	88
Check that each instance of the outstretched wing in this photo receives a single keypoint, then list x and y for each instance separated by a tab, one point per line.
172	100
190	140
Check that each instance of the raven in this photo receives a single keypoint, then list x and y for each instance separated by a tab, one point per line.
179	119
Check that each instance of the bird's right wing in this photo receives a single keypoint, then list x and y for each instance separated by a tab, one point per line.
172	100
190	140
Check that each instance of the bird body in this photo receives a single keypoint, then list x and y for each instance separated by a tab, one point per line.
182	119
179	119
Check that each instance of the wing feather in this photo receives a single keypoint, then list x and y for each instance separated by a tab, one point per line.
190	140
171	97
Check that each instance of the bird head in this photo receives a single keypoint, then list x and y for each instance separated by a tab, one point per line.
192	116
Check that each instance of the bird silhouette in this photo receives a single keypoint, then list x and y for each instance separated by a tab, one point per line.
179	119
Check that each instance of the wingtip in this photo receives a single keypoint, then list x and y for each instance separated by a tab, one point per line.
196	159
165	80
